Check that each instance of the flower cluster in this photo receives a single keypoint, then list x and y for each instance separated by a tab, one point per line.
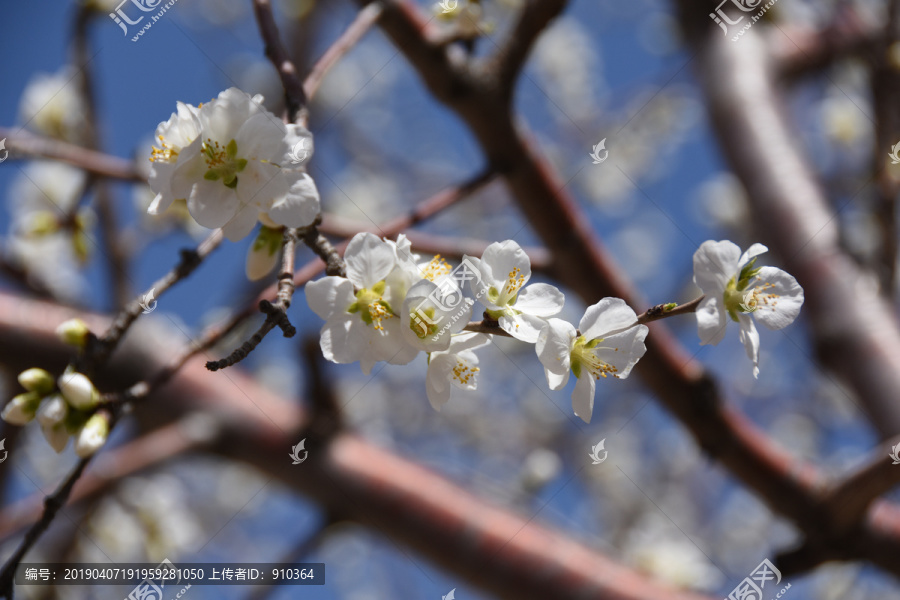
65	406
391	306
232	161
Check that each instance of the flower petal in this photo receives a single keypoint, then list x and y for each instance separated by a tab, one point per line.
714	264
340	340
329	296
260	184
711	323
437	379
583	397
505	257
608	316
482	280
467	340
160	204
212	204
241	224
554	347
523	327
750	339
752	251
778	304
369	260
623	350
540	300
300	205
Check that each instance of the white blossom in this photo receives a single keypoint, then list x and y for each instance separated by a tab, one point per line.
359	311
456	366
51	105
503	271
42	198
608	342
434	314
230	159
733	286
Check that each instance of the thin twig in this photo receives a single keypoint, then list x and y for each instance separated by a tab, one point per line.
294	96
276	314
486	326
364	20
52	504
318	243
662	311
190	260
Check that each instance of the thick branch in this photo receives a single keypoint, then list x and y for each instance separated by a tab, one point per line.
580	262
487	546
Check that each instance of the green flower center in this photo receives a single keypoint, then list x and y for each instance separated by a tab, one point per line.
583	356
422	323
371	306
222	164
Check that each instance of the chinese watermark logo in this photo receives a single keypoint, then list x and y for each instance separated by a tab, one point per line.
149	589
122	19
451	595
893	454
746	6
895	153
3	448
596	153
147	302
299	152
448	6
5	151
751	588
447	296
295	452
595	452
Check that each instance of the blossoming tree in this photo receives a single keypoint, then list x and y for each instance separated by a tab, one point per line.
241	171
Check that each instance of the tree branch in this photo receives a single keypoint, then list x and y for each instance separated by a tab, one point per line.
294	96
510	59
487	546
364	20
23	145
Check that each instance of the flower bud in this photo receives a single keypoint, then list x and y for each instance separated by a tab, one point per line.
78	390
21	409
56	436
53	411
37	380
73	332
93	435
263	254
